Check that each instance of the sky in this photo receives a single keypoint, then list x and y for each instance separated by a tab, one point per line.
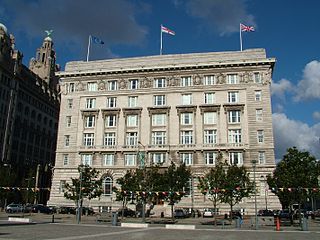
287	29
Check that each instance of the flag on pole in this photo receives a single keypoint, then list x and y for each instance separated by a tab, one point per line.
97	40
245	28
167	30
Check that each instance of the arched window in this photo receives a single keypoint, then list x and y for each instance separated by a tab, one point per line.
107	186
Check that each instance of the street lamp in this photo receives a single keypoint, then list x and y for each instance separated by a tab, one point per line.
254	164
265	191
142	166
80	198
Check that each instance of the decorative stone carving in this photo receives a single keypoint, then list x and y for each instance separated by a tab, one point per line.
101	85
122	84
245	77
80	86
172	81
221	78
196	79
146	82
266	77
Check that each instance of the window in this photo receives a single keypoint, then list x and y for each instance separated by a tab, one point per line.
159	138
66	140
88	139
262	157
108	159
111	102
159	119
186	99
158	158
65	159
90	103
209	80
62	186
92	86
159	100
132	101
186	118
111	121
110	139
232	79
186	137
235	158
257	77
89	121
209	98
70	88
233	97
234	136
257	95
186	81
86	159
132	138
107	186
133	84
186	158
112	85
160	83
210	158
209	117
210	136
70	103
68	121
132	120
188	189
259	115
234	116
130	159
260	136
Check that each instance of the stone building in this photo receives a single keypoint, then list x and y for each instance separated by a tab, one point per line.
183	107
29	111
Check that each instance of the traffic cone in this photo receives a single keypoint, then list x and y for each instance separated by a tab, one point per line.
277	224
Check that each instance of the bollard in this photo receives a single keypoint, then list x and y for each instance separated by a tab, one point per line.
52	220
304	224
114	218
277	224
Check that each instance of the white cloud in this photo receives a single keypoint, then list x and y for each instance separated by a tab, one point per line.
316	116
289	133
280	88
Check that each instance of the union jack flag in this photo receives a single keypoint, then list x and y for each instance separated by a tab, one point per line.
245	28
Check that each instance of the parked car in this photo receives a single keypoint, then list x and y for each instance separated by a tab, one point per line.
285	214
180	213
39	208
87	211
14	208
207	212
67	210
265	212
126	212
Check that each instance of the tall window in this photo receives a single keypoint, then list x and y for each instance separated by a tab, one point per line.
107	186
108	159
132	120
159	100
186	137
112	85
70	103
111	102
132	138
262	157
186	81
132	101
90	103
210	136
88	139
159	119
159	138
186	118
130	159
186	158
70	88
234	116
188	189
210	158
92	86
186	99
233	97
257	77
234	136
260	136
235	158
86	159
66	140
111	121
65	159
232	79
158	158
90	121
110	139
259	115
209	117
209	80
160	83
133	84
68	121
209	98
258	95
62	186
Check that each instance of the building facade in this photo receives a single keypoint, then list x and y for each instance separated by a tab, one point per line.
181	108
29	111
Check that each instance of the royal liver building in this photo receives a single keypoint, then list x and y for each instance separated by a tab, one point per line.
182	108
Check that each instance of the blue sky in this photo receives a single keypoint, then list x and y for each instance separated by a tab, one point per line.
287	29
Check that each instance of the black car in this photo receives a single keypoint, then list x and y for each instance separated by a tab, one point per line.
67	210
266	213
87	211
180	213
285	214
39	208
126	212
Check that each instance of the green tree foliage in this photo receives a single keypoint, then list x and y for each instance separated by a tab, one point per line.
294	177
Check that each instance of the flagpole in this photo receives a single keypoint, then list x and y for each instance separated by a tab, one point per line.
88	51
161	39
240	38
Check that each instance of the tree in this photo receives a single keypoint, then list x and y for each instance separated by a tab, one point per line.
295	177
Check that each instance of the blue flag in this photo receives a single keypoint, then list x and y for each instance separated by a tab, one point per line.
96	40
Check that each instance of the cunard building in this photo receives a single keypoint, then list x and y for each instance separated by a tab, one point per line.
182	108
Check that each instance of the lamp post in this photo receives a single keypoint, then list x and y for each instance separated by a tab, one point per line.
254	164
265	191
142	166
80	199
36	185
9	173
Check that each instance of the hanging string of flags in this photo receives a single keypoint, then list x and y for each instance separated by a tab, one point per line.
24	188
151	193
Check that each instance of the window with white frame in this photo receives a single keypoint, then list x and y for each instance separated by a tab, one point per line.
132	101
90	103
108	159
236	158
260	136
132	120
111	102
186	158
133	84
112	85
160	83
232	79
209	98
159	137
158	158
109	138
131	138
186	137
261	157
62	186
210	136
70	87
209	80
186	81
210	158
258	95
88	139
233	97
70	103
68	121
89	121
159	100
259	115
66	140
186	118
65	159
209	117
159	119
186	99
111	121
86	159
130	159
107	186
92	86
234	135
257	77
234	116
